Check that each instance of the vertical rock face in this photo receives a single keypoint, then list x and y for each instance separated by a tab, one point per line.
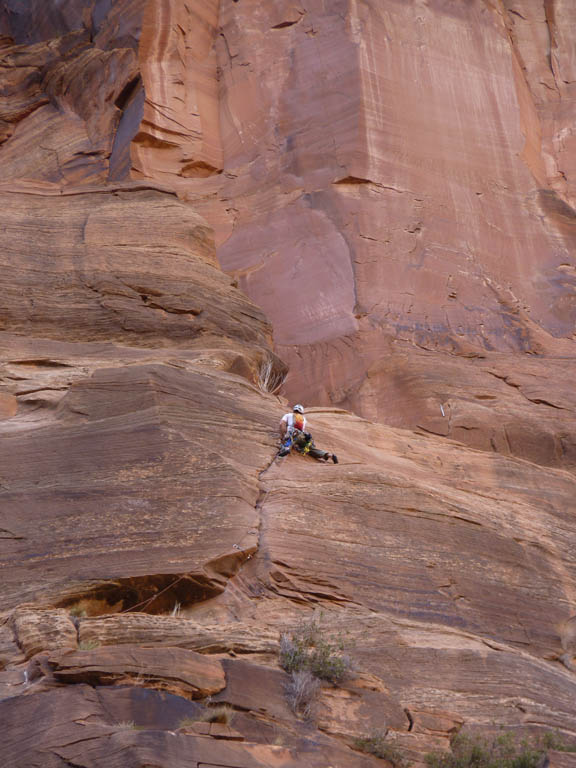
395	177
391	184
381	178
180	130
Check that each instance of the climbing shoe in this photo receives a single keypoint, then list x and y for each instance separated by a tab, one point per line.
335	458
283	452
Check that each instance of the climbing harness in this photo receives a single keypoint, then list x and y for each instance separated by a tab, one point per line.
304	449
294	440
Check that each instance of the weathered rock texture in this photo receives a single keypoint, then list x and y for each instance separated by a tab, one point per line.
381	178
394	177
391	184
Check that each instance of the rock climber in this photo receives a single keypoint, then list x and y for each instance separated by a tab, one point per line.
294	435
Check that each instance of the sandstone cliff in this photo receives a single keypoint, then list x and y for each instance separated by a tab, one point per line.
378	193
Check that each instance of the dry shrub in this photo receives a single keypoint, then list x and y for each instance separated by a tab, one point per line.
127	725
220	714
270	380
302	691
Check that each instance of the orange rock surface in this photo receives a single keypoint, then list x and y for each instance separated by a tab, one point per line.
194	194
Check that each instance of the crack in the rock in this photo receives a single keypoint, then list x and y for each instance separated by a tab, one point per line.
73	743
410	718
535	400
549	21
151	594
358	180
11	536
41	363
284	24
41	389
262	494
67	762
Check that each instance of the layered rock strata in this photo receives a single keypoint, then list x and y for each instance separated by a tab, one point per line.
391	183
397	179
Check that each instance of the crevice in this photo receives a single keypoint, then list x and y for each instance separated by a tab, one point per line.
541	401
67	762
230	56
353	180
505	379
535	400
410	718
262	494
10	536
549	17
174	310
42	362
430	431
284	24
41	389
160	304
199	169
153	594
149	140
360	180
258	507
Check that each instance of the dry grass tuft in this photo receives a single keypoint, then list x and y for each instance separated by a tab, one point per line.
220	714
270	380
301	692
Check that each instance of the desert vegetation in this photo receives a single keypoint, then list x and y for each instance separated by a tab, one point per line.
309	655
376	744
500	750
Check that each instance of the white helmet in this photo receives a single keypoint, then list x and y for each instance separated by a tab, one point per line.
299	408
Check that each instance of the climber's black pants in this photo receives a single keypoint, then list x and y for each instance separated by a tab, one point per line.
301	444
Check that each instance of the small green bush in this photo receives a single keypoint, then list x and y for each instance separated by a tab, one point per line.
502	750
326	662
307	648
553	740
376	745
88	645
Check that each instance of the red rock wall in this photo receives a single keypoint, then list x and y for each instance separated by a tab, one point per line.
180	131
381	179
392	182
395	178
